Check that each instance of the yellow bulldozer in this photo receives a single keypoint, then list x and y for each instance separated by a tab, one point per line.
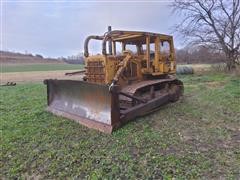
133	76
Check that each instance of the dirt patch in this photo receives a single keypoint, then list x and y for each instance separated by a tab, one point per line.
215	84
38	76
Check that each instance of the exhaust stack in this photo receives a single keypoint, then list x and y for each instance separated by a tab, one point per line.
110	41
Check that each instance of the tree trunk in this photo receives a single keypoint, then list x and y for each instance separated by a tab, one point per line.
230	62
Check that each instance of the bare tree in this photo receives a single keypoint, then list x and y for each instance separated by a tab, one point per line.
215	23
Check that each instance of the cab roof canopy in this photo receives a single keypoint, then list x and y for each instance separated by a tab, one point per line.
126	37
133	37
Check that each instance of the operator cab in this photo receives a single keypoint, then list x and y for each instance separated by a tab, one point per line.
152	54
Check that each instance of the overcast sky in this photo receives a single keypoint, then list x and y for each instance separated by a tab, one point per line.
57	29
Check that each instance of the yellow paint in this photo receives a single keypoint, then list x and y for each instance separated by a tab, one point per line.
138	64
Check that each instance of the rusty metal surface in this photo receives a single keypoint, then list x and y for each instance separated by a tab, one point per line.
118	88
84	121
131	89
79	98
95	72
75	72
86	53
95	107
144	108
116	35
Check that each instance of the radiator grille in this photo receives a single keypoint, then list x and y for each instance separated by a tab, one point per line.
95	72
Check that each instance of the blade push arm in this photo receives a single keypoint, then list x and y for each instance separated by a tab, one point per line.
122	66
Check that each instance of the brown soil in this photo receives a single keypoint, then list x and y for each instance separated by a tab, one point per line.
38	76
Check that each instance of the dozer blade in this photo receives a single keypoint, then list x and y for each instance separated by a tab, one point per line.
87	103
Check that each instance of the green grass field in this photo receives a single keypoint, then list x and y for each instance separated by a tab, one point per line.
196	137
39	67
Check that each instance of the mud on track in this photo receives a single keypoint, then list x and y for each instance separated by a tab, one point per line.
36	76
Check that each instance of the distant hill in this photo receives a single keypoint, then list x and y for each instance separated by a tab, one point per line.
7	57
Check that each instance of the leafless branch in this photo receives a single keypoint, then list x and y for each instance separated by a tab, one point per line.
212	22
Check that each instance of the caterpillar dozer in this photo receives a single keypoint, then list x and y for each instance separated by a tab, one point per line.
133	76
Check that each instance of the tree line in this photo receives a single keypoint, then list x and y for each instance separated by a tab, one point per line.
199	54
